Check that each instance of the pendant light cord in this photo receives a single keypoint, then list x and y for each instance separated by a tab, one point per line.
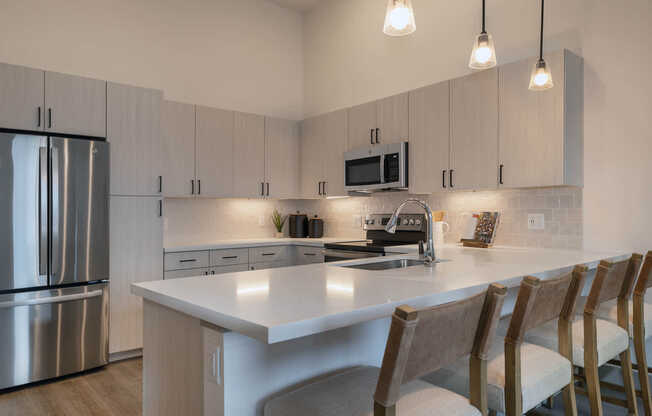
483	28
541	35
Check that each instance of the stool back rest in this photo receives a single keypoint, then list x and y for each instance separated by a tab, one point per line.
540	301
422	341
613	280
645	277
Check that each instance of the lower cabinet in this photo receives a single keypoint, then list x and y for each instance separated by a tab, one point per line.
206	271
136	234
308	255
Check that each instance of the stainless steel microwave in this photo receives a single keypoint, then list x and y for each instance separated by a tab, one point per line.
376	168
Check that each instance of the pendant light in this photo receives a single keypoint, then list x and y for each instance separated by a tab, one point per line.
483	55
399	18
541	78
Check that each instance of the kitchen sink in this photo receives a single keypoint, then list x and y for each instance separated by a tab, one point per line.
387	265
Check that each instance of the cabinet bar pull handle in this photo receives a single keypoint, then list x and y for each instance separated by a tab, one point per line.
267	188
309	254
372	136
160	184
443	179
39	116
188	261
49	118
501	174
262	189
320	188
377	134
198	186
450	178
192	185
229	257
269	254
325	193
160	207
212	271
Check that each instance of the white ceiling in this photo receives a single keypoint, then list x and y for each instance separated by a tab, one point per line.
299	5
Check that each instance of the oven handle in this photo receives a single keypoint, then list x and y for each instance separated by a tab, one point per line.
382	168
350	254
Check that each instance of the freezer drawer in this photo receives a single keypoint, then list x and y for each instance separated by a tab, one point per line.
51	333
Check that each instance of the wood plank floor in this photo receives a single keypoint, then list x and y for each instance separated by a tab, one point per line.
113	390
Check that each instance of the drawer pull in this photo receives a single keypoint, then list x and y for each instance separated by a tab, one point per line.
269	254
229	257
188	261
309	254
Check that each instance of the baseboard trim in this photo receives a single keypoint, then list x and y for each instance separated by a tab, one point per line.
125	355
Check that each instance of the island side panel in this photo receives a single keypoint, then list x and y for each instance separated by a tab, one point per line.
172	362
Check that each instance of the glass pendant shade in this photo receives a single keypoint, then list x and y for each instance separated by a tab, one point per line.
541	78
399	18
483	55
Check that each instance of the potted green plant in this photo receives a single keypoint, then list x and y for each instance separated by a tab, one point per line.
279	221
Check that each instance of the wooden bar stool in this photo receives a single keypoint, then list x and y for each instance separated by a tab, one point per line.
596	341
522	375
420	341
640	329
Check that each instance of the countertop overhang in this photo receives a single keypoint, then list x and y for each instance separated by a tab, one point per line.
282	304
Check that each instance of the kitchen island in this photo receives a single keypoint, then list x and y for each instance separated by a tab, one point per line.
224	346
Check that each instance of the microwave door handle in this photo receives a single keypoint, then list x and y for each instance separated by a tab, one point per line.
382	168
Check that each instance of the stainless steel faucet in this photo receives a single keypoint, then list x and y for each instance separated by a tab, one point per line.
429	253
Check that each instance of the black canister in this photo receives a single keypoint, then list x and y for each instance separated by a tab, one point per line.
298	225
316	227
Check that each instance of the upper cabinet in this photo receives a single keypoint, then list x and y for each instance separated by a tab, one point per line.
249	156
134	131
178	148
21	98
31	99
541	132
75	105
323	143
214	153
281	158
429	148
383	121
474	131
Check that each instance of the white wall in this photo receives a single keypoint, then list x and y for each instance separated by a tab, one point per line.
243	55
349	61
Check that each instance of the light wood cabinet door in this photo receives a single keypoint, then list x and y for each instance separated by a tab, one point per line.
333	128
21	98
282	158
134	131
75	105
429	147
311	163
393	119
474	129
214	152
362	124
531	126
248	156
136	236
178	147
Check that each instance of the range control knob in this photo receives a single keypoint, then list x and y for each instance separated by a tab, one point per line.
418	222
412	221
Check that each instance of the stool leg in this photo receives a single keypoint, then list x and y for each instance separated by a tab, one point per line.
628	378
591	364
570	403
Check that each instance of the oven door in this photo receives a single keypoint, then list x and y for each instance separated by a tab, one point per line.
331	255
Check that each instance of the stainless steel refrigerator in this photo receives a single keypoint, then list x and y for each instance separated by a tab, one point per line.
54	256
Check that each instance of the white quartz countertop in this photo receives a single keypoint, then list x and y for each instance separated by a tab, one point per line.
257	242
282	304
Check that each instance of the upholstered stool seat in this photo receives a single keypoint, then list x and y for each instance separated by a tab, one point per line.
609	312
543	373
351	394
611	339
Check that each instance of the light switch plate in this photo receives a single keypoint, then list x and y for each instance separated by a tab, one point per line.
536	222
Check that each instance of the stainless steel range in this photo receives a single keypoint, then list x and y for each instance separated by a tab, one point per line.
410	229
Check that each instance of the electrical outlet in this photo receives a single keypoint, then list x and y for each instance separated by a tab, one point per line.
261	220
536	222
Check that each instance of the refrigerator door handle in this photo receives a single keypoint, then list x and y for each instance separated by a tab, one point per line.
50	300
43	212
